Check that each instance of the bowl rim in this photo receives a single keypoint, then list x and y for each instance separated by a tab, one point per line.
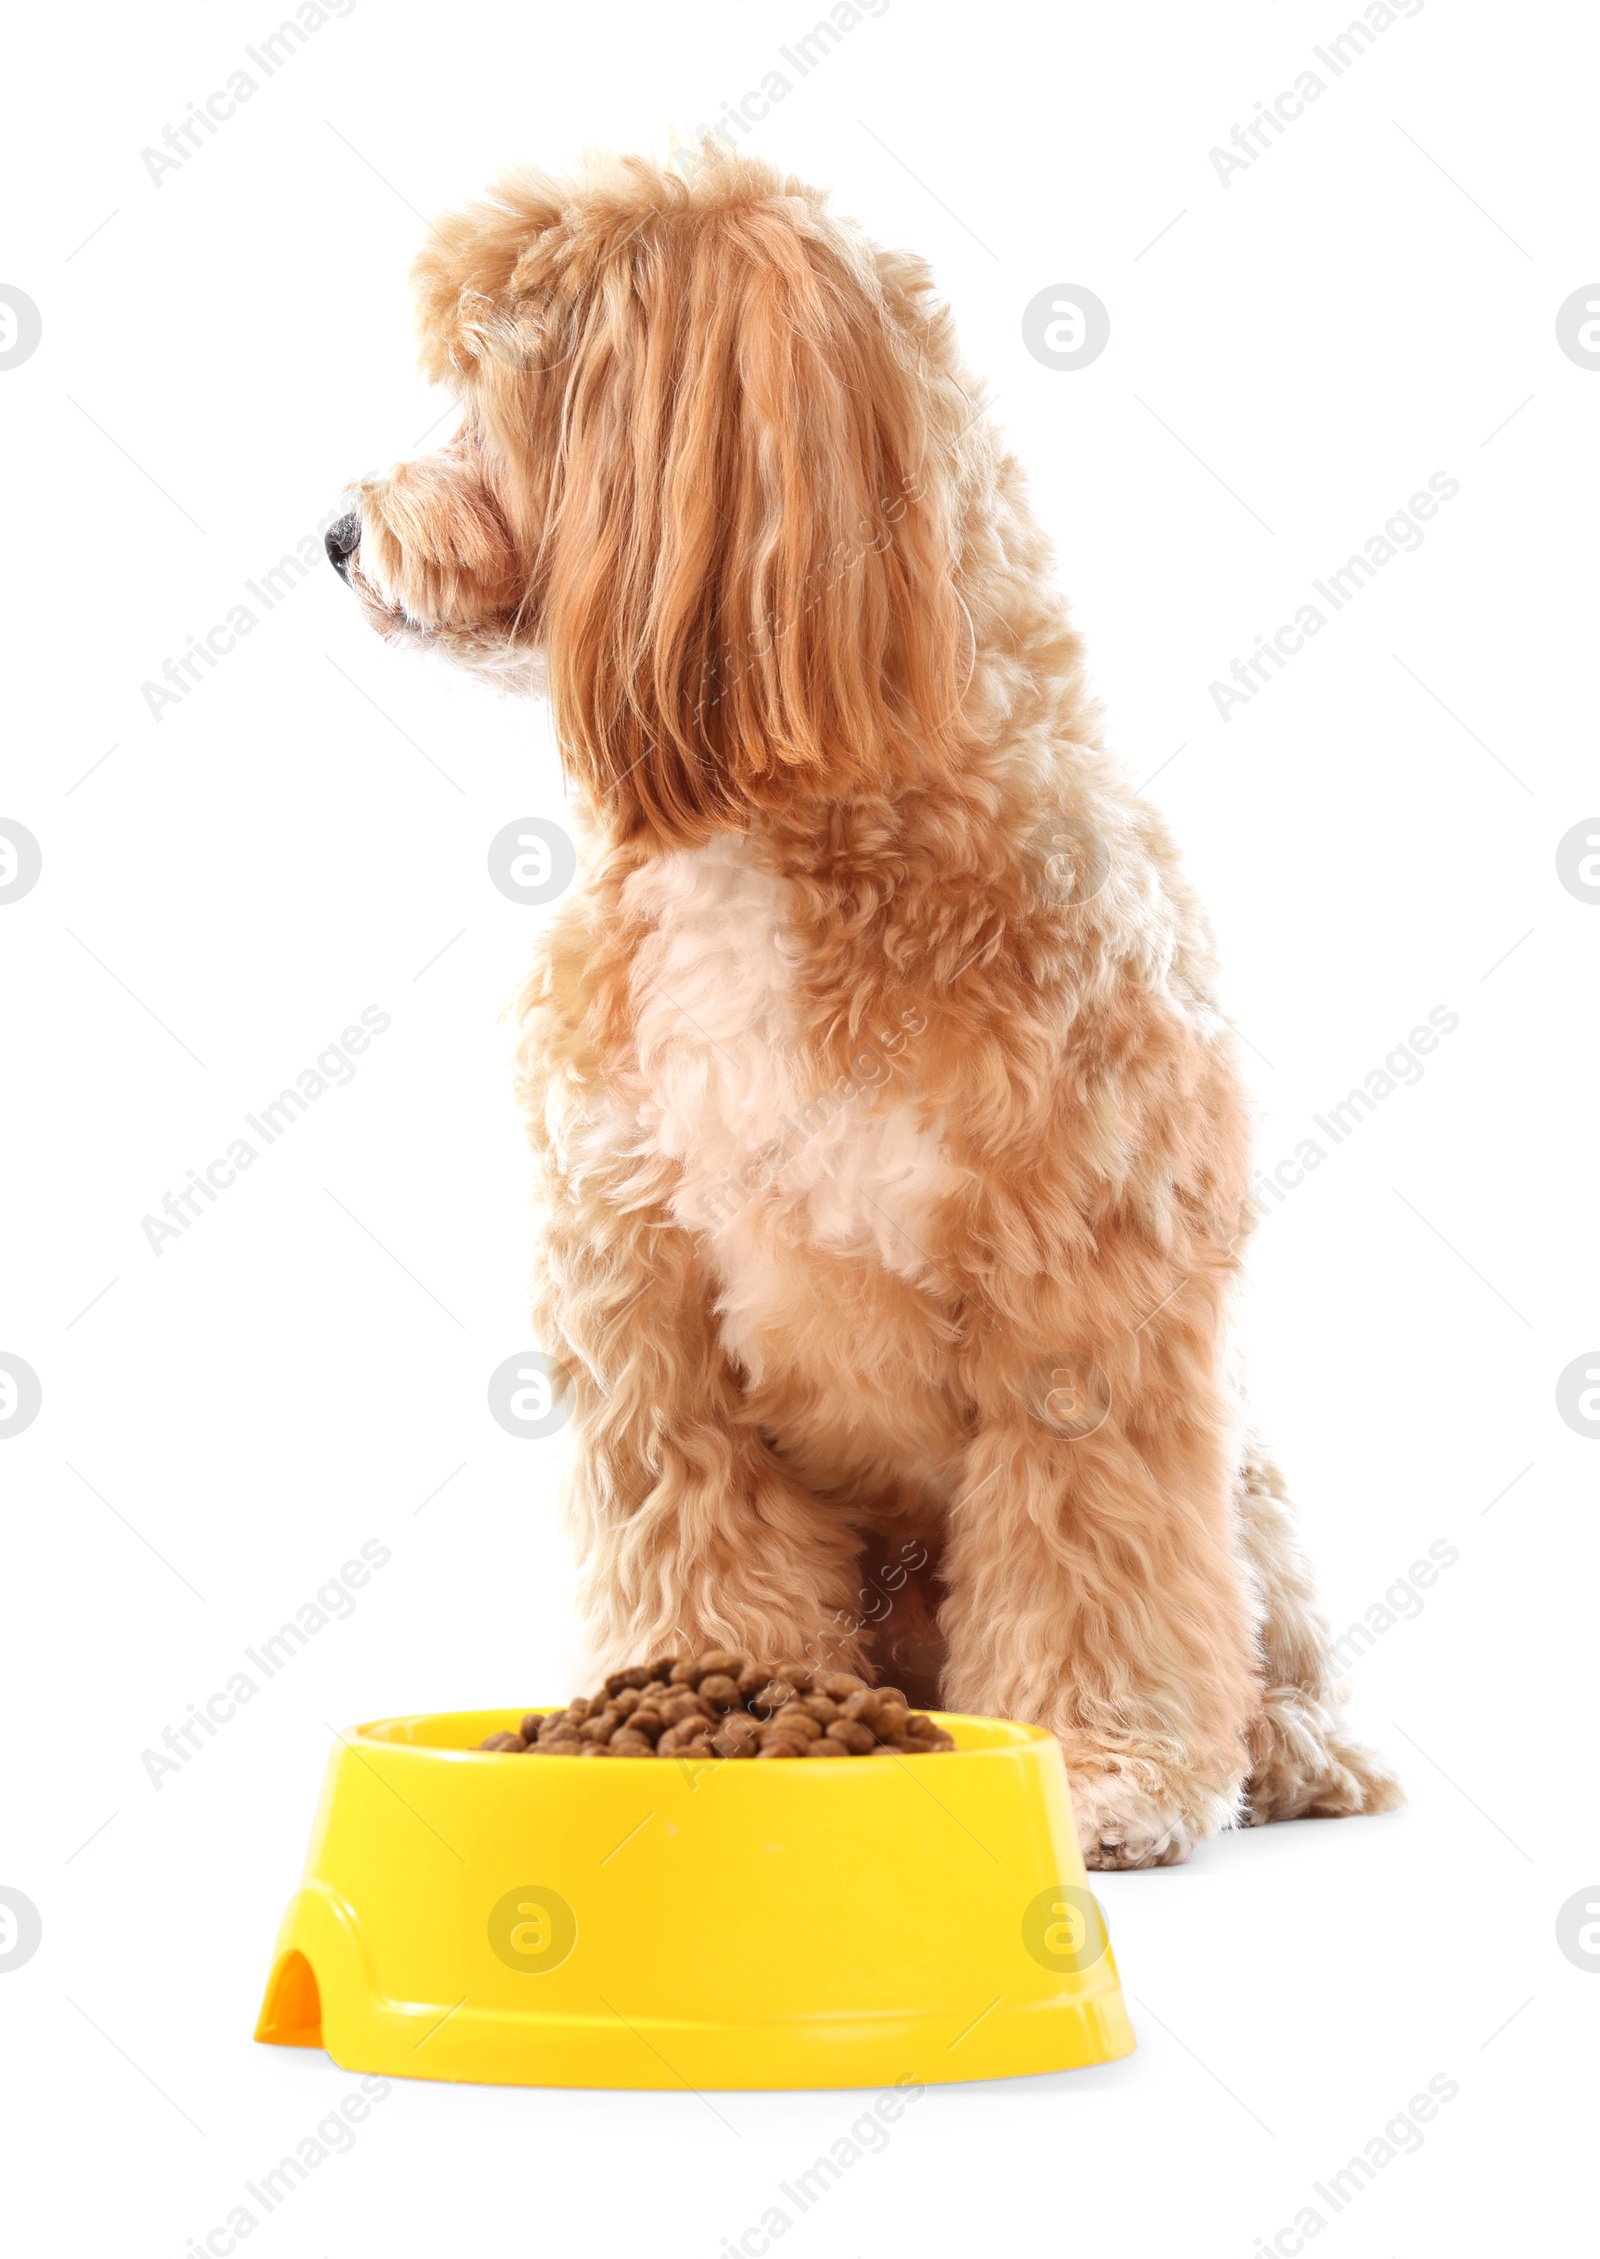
1005	1738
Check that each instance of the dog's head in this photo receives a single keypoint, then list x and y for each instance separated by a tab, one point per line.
703	491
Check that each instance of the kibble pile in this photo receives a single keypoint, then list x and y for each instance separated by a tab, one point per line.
724	1705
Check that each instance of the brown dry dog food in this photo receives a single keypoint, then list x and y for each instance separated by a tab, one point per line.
725	1705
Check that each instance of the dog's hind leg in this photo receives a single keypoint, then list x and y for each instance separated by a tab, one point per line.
1301	1765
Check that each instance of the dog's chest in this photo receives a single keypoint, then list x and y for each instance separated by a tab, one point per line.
784	1175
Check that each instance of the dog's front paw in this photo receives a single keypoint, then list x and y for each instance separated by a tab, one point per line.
1167	1846
1125	1820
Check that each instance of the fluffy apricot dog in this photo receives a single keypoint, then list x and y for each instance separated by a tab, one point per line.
892	1142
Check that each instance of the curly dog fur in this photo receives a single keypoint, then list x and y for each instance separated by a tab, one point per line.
893	1147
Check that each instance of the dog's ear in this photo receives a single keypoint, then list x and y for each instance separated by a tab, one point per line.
465	279
741	558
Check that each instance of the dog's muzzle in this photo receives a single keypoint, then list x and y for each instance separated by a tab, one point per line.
341	542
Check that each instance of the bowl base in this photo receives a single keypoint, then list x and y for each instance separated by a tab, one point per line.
493	2048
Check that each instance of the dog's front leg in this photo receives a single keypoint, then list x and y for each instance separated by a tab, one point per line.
1093	1586
690	1531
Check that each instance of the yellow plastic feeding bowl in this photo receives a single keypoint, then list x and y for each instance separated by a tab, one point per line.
655	1922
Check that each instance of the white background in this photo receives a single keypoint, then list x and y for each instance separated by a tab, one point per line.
305	834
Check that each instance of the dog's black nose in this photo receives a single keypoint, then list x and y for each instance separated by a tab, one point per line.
341	542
